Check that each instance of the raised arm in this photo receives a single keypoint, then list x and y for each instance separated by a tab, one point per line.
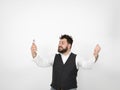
38	59
81	62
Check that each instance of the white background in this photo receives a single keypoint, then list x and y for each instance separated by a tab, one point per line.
88	21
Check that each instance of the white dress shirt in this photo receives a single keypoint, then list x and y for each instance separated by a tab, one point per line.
80	62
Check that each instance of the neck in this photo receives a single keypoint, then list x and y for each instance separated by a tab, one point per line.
66	53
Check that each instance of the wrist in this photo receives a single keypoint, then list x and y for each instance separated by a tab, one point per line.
96	57
34	54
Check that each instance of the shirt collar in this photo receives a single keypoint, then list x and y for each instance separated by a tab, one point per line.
65	55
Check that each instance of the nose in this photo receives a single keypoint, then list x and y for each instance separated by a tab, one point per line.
59	44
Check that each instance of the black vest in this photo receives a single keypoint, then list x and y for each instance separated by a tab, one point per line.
64	75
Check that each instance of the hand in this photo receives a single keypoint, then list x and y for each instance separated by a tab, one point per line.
34	49
96	51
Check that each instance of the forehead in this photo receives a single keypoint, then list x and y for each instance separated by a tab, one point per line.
63	40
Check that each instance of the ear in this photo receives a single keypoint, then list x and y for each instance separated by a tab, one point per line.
69	45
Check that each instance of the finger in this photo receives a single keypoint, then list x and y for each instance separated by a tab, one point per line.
34	45
33	51
97	46
34	48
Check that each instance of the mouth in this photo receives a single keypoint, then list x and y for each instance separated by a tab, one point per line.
60	48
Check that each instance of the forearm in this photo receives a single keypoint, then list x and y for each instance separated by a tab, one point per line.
42	62
86	64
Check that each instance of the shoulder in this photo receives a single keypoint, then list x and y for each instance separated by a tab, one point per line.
73	54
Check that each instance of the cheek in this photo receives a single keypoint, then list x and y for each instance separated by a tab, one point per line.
65	46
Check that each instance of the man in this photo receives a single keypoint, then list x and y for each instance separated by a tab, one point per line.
65	64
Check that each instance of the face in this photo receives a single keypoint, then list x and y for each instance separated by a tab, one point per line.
63	46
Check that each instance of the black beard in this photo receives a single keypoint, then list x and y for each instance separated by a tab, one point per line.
63	50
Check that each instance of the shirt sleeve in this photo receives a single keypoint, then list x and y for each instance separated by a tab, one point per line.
82	62
44	62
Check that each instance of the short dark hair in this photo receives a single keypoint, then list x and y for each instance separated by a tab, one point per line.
69	38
